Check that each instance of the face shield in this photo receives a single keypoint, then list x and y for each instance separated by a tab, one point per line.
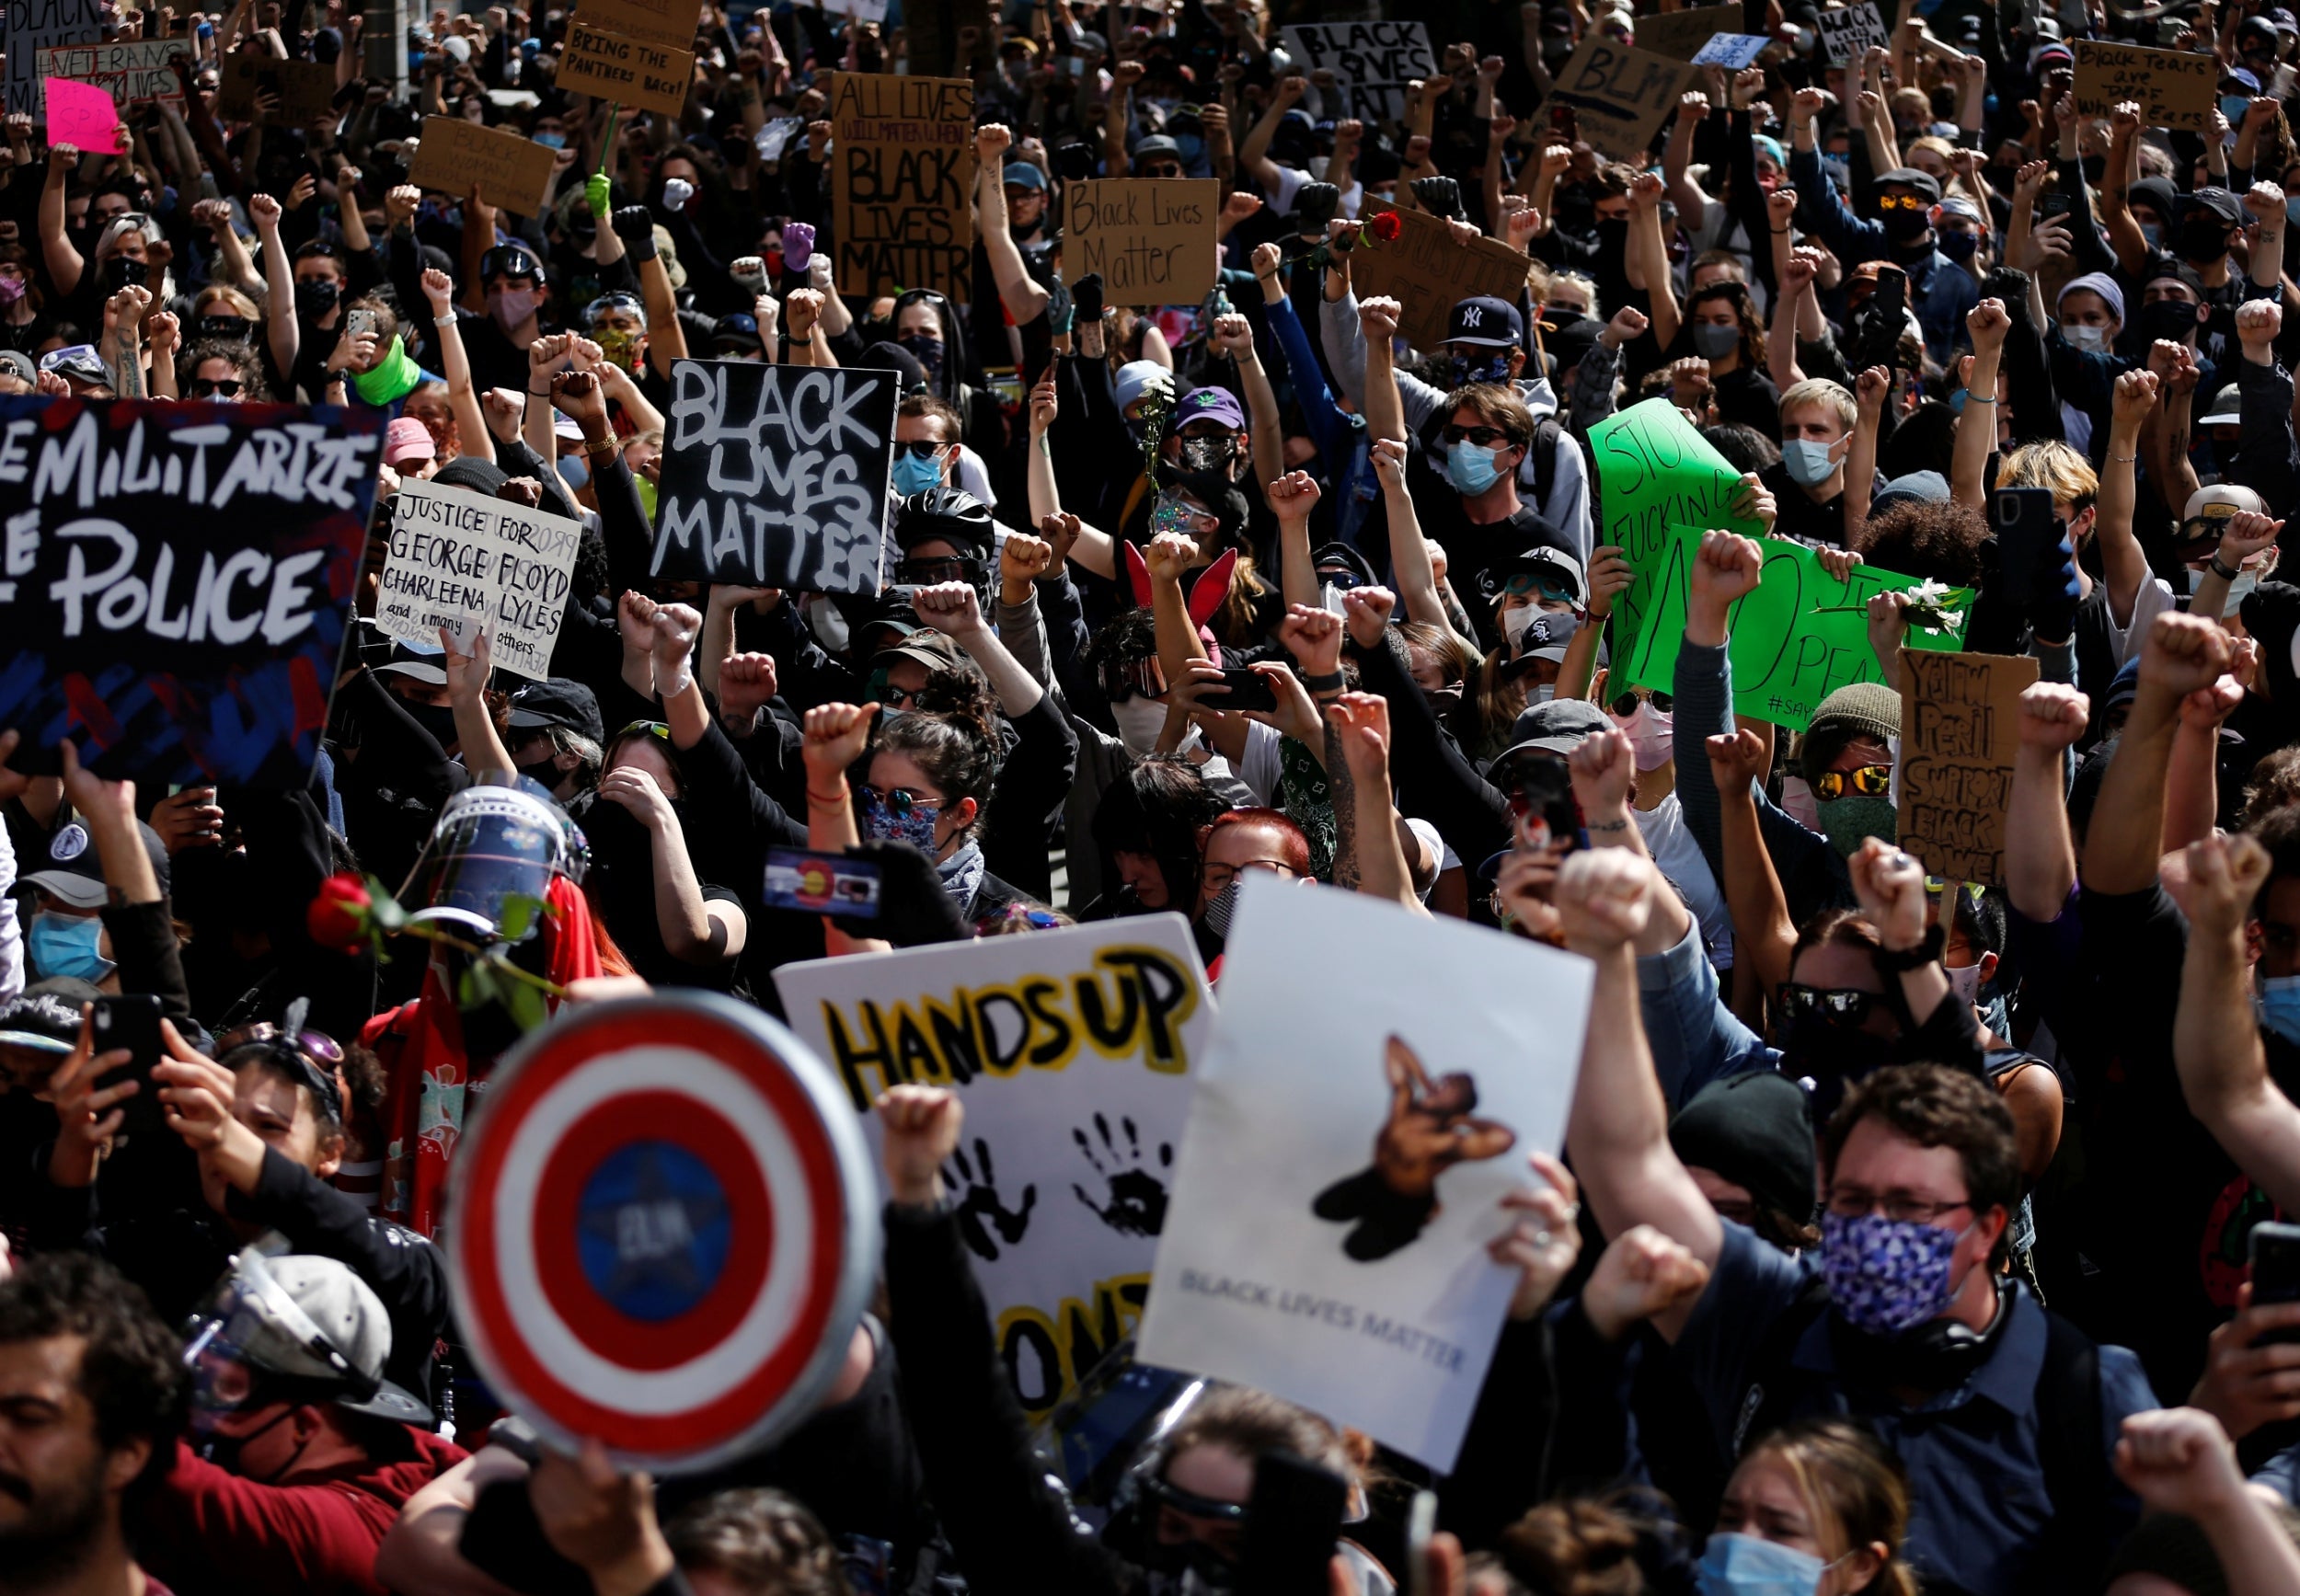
251	1344
493	844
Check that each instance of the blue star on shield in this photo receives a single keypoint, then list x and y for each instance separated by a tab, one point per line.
652	1229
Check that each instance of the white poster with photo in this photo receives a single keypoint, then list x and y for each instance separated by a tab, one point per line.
1073	1053
464	561
1375	1083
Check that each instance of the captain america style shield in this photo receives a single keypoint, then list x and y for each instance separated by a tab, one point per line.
662	1229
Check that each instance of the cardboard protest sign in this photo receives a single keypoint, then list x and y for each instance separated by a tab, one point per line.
1959	731
29	27
665	22
133	72
1797	639
630	71
1654	472
1428	271
512	172
2176	89
1373	61
1151	238
470	563
902	174
1680	34
82	115
665	1228
1074	1053
775	476
1847	32
176	581
1347	1154
1620	95
1731	51
306	88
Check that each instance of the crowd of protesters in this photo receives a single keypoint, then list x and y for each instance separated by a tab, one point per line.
1902	1239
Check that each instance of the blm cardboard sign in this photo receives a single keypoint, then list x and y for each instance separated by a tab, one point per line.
1151	238
902	174
2175	89
775	476
175	581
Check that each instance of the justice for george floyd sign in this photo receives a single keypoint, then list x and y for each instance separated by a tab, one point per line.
176	579
467	563
775	476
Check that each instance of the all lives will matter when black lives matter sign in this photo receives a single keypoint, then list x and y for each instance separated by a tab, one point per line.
775	476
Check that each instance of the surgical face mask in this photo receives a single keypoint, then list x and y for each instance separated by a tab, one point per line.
575	469
1966	985
509	306
1471	469
1808	464
1887	1275
1735	1565
914	826
1651	735
2233	106
2237	591
1957	244
550	141
1514	622
2279	1002
1850	821
315	297
1542	694
2154	232
910	474
1140	722
1714	340
67	945
2092	339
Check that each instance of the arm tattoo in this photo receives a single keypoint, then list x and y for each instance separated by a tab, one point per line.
1343	791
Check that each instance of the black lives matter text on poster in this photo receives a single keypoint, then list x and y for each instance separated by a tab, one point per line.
901	172
775	476
27	27
1373	61
175	581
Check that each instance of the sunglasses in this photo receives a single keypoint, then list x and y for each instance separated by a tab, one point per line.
1484	437
939	568
314	1058
885	692
649	727
1836	1006
1902	202
1626	705
1139	678
1162	169
1340	577
902	803
1869	781
227	386
924	449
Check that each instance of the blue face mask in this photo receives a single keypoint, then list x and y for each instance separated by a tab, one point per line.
910	474
901	821
551	140
1956	244
1192	148
2233	106
1471	469
1808	463
574	469
66	945
1744	1565
2279	1002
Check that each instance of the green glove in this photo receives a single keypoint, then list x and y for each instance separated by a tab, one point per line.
596	195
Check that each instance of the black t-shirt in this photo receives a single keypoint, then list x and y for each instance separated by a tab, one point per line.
1477	556
1798	517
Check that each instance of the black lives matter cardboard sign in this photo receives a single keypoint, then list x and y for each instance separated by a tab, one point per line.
902	174
1621	95
1151	238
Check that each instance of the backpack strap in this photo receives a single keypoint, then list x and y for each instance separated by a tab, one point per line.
1547	435
2070	1432
1773	1382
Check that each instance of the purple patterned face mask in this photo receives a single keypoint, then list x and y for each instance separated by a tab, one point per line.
899	818
1886	1275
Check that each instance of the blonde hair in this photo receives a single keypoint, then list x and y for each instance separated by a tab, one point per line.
1854	1489
1825	395
2054	465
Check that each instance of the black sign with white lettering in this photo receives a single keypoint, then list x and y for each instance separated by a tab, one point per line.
775	476
176	579
1371	61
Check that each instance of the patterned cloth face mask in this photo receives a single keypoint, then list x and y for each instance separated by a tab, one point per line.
1886	1275
897	817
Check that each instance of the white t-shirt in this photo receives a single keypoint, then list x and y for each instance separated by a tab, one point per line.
1671	843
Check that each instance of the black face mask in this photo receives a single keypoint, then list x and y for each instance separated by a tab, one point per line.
2203	239
545	772
2170	319
234	329
1209	456
315	298
436	719
1904	226
1834	1057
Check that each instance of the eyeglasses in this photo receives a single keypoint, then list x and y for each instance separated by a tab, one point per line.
1902	202
227	386
939	568
1484	437
1220	876
1869	781
649	727
1844	1007
901	802
1626	705
1852	1202
924	449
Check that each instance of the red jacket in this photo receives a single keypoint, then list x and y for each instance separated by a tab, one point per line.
205	1529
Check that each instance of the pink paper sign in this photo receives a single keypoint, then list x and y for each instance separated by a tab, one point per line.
83	115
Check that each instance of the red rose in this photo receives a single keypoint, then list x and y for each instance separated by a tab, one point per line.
1385	226
338	916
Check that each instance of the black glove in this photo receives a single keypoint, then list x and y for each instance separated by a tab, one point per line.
1314	207
635	224
1441	196
1087	296
914	908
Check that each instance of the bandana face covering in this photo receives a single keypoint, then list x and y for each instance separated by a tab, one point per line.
901	820
395	376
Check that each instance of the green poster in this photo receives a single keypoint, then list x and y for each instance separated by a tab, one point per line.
1655	472
1787	657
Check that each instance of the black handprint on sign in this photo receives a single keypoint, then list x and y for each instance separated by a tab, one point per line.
981	1202
1137	1198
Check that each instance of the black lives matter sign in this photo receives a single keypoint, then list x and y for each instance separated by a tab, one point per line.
175	581
901	172
775	476
1373	62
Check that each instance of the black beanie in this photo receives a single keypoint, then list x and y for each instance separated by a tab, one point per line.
1753	1130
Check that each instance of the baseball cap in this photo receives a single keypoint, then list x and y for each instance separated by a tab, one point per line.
1136	378
408	439
2227	410
305	1319
1487	322
739	330
1022	175
933	649
1923	182
2237	74
45	1017
416	661
73	871
2219	202
1552	567
1557	726
1156	146
2206	514
558	701
17	363
1210	405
